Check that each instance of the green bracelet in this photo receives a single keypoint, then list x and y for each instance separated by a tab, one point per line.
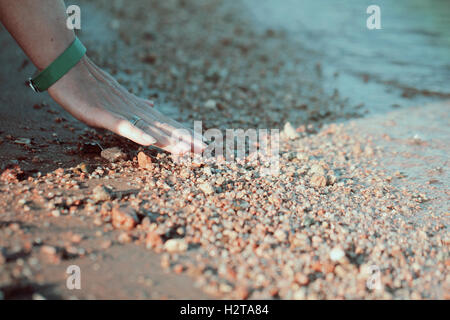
58	68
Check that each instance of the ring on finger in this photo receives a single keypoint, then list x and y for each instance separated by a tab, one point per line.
135	120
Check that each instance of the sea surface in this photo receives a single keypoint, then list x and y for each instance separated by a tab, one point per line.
405	62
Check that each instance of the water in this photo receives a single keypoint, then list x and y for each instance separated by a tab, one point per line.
411	53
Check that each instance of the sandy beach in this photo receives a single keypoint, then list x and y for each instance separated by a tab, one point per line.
359	209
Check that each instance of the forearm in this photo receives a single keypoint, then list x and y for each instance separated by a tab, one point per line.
39	27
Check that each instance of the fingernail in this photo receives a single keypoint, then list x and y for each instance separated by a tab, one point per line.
148	139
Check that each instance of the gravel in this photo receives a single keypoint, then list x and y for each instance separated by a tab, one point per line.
101	193
312	232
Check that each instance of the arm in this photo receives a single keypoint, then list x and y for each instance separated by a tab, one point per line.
39	27
88	93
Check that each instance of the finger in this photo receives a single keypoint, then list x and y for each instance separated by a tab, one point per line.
164	141
179	132
188	136
162	132
125	129
169	125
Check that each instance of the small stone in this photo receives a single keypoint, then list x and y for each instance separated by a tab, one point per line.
184	173
206	188
153	240
207	171
357	149
101	193
124	217
331	179
97	221
144	161
210	104
290	132
106	244
124	238
37	296
336	254
76	238
56	213
36	159
300	294
51	254
175	245
149	58
114	24
318	181
113	154
49	250
317	169
301	279
423	235
220	181
242	293
178	268
280	235
165	261
24	141
369	151
2	258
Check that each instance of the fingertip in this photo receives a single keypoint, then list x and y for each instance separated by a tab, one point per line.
148	139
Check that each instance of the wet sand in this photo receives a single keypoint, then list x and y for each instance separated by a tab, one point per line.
351	194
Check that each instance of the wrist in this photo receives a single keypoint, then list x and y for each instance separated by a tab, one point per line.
58	68
78	74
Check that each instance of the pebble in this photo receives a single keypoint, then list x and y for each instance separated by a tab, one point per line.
38	296
124	217
124	238
317	169
144	161
290	132
336	254
101	193
114	154
51	254
318	180
175	245
106	244
280	235
24	141
369	151
242	293
153	240
56	213
48	250
76	238
206	188
210	104
301	279
300	294
178	268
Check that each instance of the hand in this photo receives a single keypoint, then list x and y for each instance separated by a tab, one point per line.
94	97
